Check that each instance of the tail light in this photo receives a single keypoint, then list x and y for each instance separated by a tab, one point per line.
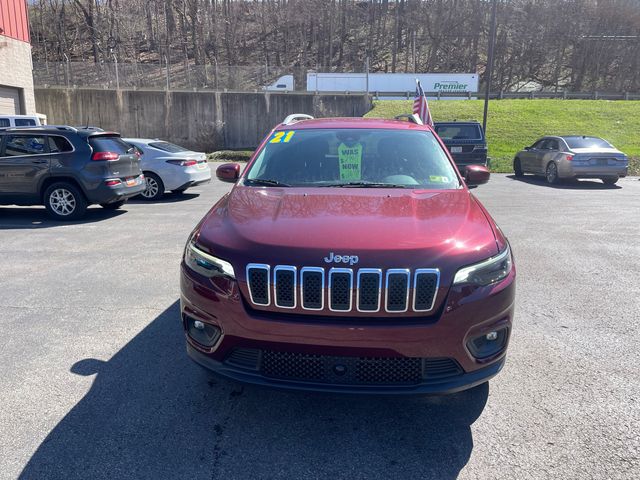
105	156
569	157
183	163
113	182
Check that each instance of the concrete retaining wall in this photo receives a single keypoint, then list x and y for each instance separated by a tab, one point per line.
199	120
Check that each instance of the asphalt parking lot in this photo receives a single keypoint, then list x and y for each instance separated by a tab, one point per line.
95	381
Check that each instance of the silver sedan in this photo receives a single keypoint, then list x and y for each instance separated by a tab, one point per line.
167	166
573	156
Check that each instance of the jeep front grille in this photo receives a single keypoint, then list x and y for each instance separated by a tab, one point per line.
343	289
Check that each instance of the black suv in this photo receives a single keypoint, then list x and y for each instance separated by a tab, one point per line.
66	169
465	141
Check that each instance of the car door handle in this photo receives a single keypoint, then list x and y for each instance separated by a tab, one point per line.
39	161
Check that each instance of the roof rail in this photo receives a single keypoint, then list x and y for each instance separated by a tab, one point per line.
411	117
296	117
41	127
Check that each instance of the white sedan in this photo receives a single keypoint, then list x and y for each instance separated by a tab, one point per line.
167	166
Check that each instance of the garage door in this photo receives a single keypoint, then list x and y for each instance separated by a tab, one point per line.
9	101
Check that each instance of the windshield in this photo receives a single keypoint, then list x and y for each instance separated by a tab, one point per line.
458	132
353	157
168	147
586	142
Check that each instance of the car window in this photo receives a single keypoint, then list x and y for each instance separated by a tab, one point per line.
168	147
587	142
334	157
59	145
20	145
4	122
458	132
103	143
553	145
539	144
25	122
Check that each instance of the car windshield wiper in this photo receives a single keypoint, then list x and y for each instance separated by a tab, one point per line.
368	185
268	182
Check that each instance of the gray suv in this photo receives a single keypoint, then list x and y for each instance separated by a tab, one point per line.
67	169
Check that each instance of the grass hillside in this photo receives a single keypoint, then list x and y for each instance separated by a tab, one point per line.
513	124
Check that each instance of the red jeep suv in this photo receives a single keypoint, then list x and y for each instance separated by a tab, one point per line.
350	256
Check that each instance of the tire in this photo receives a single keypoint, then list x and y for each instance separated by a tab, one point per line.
114	205
155	187
551	174
64	201
609	180
517	168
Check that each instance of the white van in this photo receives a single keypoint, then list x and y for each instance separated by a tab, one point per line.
20	120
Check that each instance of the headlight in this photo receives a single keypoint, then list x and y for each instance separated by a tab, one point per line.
487	272
206	264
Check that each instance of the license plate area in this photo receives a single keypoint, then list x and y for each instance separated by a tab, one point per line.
456	149
131	182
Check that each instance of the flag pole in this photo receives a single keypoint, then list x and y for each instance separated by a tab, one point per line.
489	70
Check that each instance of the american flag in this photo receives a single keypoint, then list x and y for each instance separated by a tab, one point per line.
421	106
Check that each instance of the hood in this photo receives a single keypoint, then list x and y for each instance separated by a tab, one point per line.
384	228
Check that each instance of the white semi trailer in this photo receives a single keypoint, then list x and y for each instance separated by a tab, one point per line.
384	84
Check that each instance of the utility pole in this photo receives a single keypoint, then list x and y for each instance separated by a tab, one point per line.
489	70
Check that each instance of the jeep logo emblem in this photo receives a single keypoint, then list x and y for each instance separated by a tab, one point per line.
350	259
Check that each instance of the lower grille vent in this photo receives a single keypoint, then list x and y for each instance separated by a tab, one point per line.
343	370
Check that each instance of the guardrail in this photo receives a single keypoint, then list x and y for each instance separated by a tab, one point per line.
408	95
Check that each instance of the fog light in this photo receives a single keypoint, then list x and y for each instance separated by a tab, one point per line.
489	336
488	344
203	333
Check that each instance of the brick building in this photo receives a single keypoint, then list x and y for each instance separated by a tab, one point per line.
16	78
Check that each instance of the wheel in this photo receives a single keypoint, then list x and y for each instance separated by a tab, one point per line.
114	205
609	180
155	187
552	173
64	201
517	168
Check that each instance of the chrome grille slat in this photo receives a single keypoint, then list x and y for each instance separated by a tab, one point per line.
397	290
404	289
312	288
369	290
340	289
425	288
258	278
284	285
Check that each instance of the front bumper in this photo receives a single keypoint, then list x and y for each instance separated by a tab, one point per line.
464	315
437	386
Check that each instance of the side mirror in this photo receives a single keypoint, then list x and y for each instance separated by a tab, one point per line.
475	175
528	148
228	172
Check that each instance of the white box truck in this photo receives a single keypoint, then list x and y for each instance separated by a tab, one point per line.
381	83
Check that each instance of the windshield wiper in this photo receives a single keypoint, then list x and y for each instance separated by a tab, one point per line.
368	185
268	182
